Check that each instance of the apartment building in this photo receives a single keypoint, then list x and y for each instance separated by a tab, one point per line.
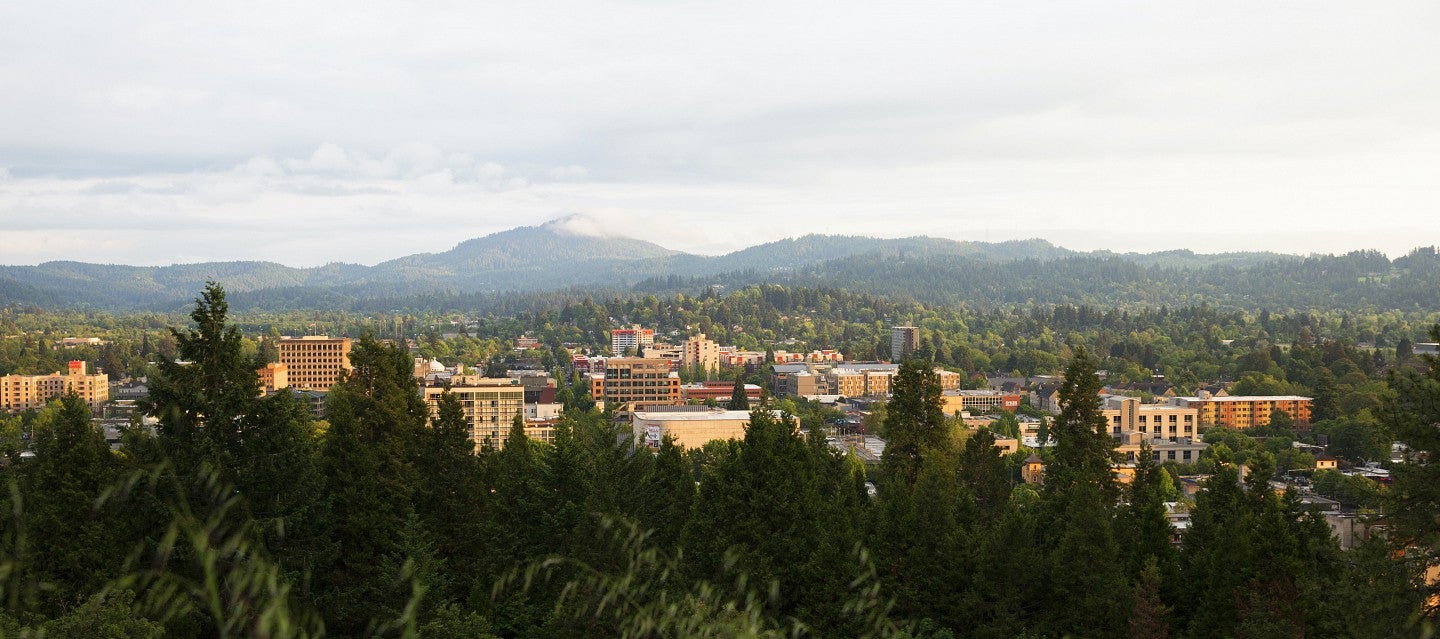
1246	411
629	340
904	341
490	404
699	352
24	392
314	362
1171	431
633	383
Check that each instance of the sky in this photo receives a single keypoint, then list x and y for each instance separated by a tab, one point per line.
311	132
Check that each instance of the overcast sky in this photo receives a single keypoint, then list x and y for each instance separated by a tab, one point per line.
309	132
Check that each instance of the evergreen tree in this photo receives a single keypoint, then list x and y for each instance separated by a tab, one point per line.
448	492
763	505
666	495
1085	567
1147	530
202	400
1150	617
375	416
738	399
1414	504
73	542
914	422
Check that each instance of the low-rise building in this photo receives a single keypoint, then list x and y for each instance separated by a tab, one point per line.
273	376
24	392
1246	411
689	428
719	391
978	401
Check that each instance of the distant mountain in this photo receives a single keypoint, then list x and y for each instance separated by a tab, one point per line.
555	256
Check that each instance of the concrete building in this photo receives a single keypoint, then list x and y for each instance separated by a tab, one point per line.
625	341
24	392
904	340
490	404
315	362
634	383
690	429
273	377
701	353
1242	412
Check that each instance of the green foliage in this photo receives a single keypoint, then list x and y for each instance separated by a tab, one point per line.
914	422
69	536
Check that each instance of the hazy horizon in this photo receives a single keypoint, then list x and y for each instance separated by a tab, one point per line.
576	225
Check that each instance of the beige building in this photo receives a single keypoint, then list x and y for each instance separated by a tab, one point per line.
314	362
633	383
24	392
273	377
849	382
978	401
490	404
1164	421
690	429
701	353
949	380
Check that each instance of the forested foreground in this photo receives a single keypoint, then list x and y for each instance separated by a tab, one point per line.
240	517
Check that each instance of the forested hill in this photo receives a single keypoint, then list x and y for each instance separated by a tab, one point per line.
1358	280
550	258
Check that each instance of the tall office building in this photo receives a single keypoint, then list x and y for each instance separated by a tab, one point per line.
314	362
632	383
904	341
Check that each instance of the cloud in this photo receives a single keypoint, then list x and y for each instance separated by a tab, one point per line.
408	128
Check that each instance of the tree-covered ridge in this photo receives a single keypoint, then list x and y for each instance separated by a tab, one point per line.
549	258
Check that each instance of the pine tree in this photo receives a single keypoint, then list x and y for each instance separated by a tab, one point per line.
1150	617
763	505
914	422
